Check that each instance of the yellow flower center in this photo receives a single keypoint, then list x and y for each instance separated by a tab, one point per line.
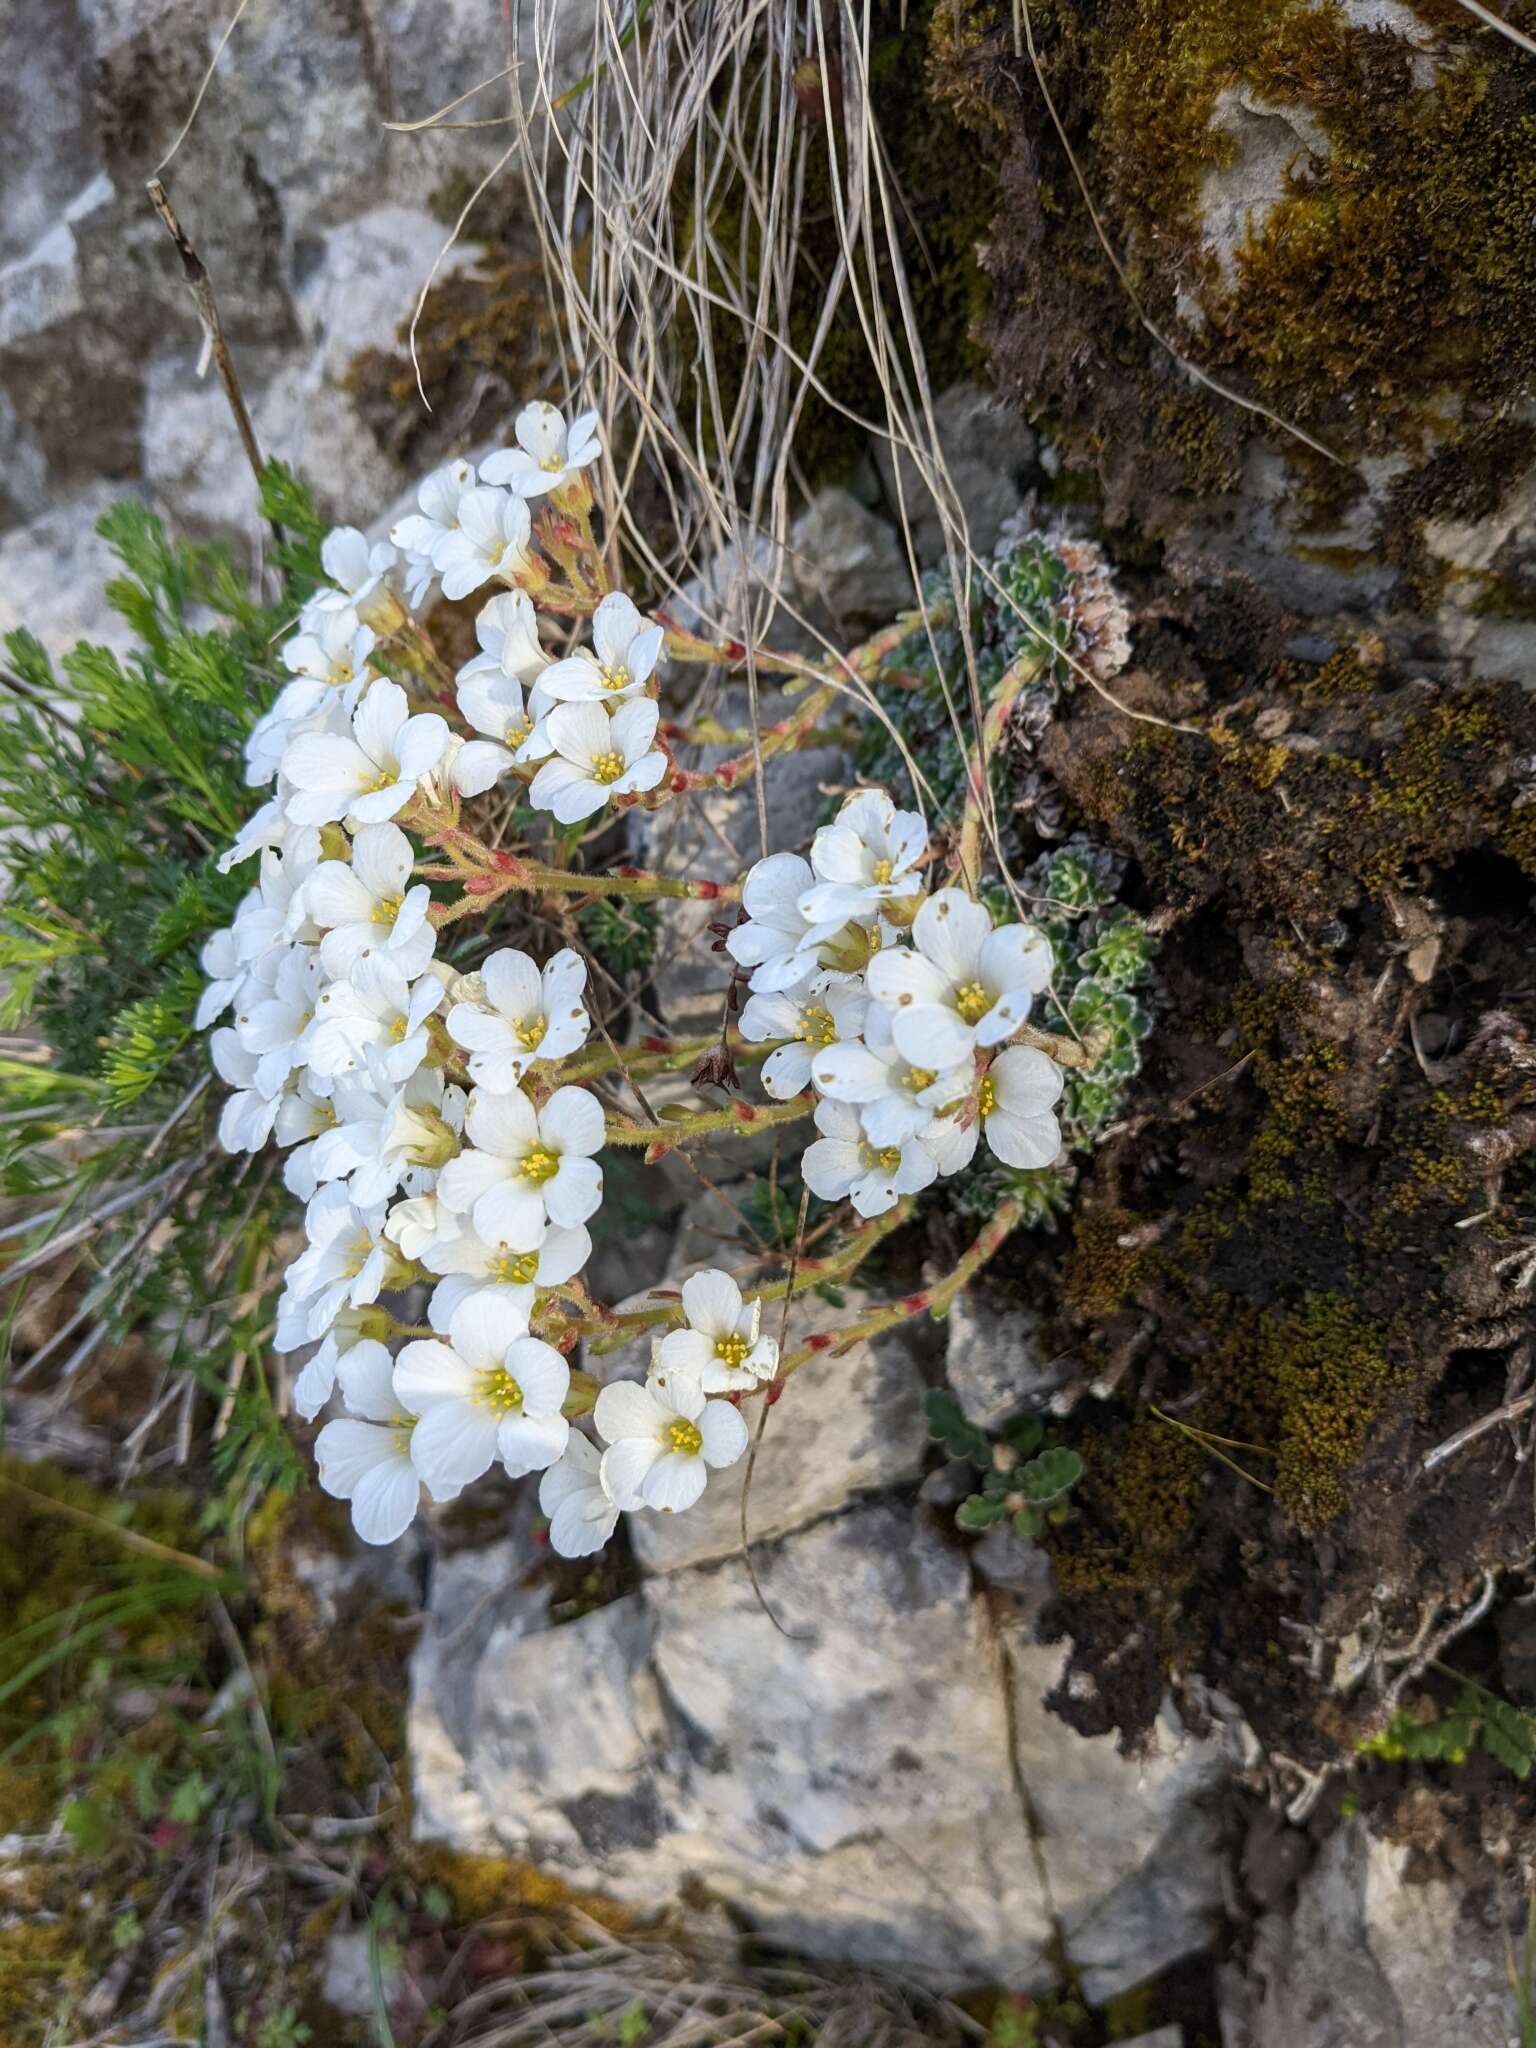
972	1001
919	1078
540	1165
400	1427
398	1028
341	674
383	780
387	909
552	465
733	1349
529	1033
518	732
514	1269
608	767
882	871
683	1436
615	677
816	1025
495	552
324	1116
359	1251
986	1095
886	1158
498	1391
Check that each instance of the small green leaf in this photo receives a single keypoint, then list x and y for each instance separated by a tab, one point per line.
945	1415
979	1512
1024	1434
86	1825
1050	1475
1027	1523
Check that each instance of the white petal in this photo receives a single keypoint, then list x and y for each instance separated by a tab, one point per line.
627	1410
453	1445
950	930
675	1481
531	1443
724	1431
712	1302
386	1499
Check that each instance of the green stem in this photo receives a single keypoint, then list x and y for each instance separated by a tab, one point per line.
934	1301
740	1118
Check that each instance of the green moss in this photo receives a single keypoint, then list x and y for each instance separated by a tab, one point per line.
1138	1501
1328	1369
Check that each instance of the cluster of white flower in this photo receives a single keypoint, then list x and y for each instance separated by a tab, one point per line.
899	1040
435	1125
344	1024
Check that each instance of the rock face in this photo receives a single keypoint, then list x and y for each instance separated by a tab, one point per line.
864	1769
1370	1960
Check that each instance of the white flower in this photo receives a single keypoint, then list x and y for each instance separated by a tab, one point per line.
419	1224
571	1494
597	757
1015	1100
276	1028
964	986
627	652
304	1113
527	1016
528	1167
220	961
721	1347
844	1162
548	452
662	1439
332	656
470	1264
371	773
247	1117
366	907
358	569
813	1022
314	1385
421	534
347	1259
492	540
368	1462
868	857
491	696
491	1391
778	942
895	1098
379	1134
378	1007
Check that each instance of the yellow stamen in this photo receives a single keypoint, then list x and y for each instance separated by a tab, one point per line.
608	767
398	1028
973	1002
882	872
552	465
387	909
685	1438
540	1165
499	1392
816	1025
530	1033
514	1269
732	1350
617	677
919	1078
986	1095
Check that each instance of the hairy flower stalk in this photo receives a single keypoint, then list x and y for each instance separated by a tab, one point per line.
435	1089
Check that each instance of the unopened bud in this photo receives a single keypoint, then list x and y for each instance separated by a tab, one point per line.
381	609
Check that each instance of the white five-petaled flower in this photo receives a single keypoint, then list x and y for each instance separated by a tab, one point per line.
529	1167
305	1113
376	1008
813	1022
722	1347
867	858
491	540
845	1162
964	984
421	534
628	648
247	1117
381	1133
357	568
777	941
491	694
469	1264
276	1027
314	1385
597	757
371	773
527	1016
662	1440
572	1495
331	656
346	1261
490	1391
366	908
896	1100
1014	1103
548	452
367	1461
